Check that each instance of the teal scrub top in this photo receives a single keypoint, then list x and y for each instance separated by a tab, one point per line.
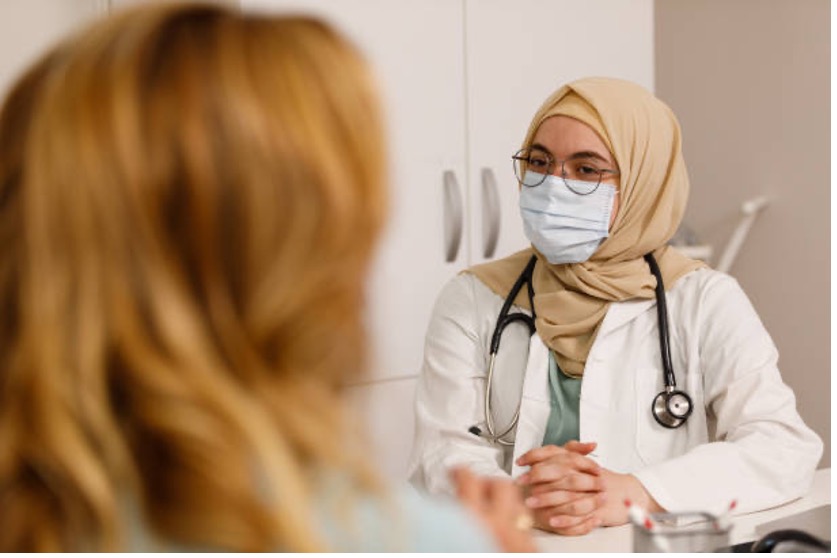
565	393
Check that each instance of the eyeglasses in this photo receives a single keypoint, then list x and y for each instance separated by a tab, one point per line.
581	174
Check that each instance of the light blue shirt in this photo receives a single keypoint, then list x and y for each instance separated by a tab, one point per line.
409	522
401	521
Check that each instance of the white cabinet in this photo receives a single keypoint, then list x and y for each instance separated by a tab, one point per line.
460	80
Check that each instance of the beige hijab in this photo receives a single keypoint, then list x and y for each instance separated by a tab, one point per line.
571	300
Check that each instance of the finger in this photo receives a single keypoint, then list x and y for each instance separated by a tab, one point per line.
550	499
539	454
468	487
559	521
505	496
582	506
554	469
581	463
565	461
572	481
567	503
582	528
543	473
561	485
581	482
543	488
580	447
563	478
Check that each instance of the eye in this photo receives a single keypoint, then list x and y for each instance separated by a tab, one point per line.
538	161
584	169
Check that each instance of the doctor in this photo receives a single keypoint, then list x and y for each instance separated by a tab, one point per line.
657	362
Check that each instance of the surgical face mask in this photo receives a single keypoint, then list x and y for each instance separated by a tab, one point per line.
566	227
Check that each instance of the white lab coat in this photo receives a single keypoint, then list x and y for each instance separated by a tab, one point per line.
744	440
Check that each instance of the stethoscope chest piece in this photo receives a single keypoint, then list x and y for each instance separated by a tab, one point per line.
671	407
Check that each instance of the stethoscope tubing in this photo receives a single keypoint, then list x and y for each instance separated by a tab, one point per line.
662	321
503	320
489	422
665	411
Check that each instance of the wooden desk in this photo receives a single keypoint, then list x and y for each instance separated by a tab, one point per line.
620	539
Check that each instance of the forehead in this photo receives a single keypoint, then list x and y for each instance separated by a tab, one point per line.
563	136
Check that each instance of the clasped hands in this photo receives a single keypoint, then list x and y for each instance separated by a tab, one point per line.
570	494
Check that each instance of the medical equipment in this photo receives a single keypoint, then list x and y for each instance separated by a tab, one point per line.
504	319
686	241
671	407
750	209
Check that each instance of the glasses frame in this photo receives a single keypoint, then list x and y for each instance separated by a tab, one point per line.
520	155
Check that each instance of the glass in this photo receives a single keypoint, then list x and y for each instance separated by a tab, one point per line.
582	174
682	532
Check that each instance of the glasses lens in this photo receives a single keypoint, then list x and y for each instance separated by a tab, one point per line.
532	166
582	176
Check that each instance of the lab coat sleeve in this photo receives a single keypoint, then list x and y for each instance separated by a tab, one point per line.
761	454
449	394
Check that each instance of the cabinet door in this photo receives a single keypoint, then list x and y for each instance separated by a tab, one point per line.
517	53
415	49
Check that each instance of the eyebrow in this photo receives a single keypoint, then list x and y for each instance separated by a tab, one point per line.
576	155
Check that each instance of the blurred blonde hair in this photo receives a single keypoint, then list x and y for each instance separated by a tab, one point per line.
187	225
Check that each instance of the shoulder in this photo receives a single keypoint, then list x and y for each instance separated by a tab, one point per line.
714	304
706	285
464	294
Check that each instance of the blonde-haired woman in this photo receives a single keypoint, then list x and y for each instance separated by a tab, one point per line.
190	198
679	409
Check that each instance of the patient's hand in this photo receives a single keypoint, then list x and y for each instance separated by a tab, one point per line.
498	503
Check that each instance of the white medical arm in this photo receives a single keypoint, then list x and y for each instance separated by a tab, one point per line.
449	394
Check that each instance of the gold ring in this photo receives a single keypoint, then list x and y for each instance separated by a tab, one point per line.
524	522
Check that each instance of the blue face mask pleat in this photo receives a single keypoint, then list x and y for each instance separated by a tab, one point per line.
564	226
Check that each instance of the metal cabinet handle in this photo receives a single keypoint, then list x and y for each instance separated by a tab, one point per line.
490	213
452	215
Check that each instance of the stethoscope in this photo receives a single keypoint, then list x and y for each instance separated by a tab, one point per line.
670	408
